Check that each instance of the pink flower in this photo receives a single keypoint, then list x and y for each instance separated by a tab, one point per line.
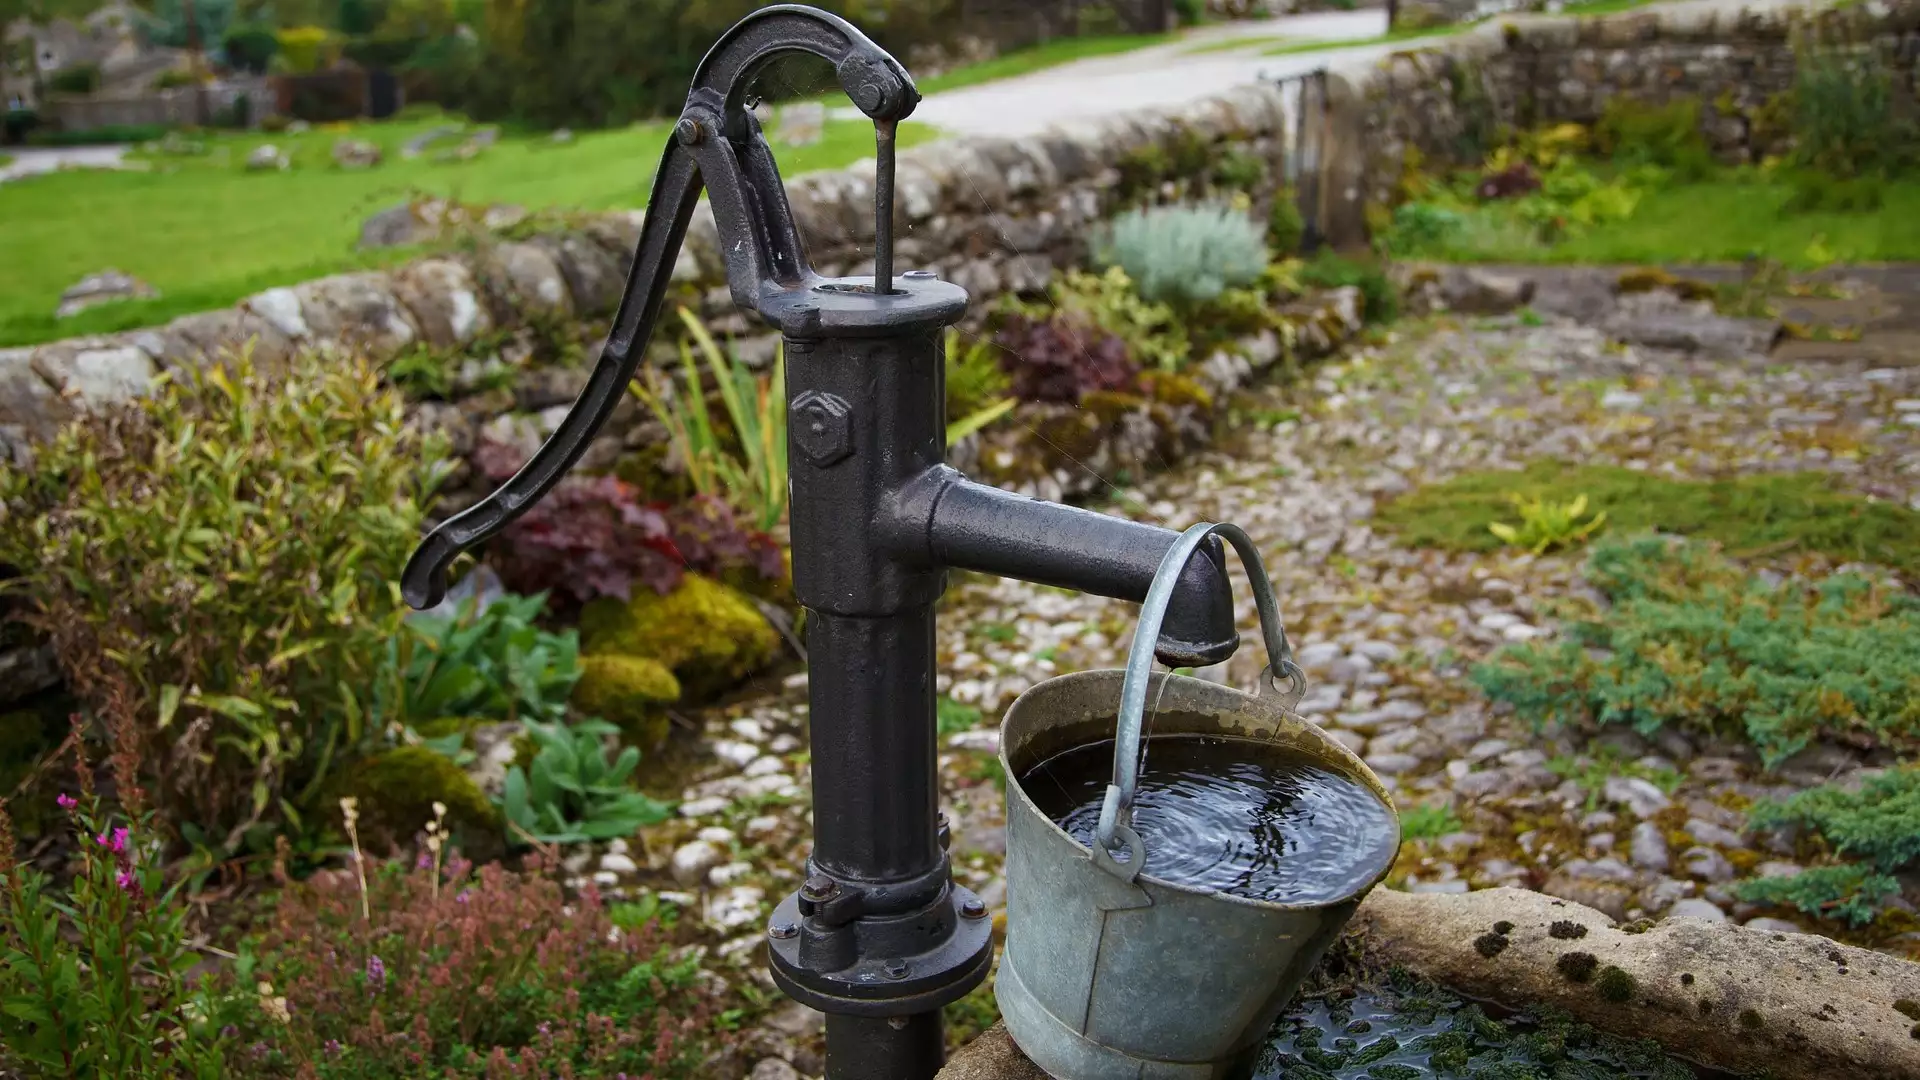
118	843
124	880
66	801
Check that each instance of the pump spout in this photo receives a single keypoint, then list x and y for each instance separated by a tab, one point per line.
954	522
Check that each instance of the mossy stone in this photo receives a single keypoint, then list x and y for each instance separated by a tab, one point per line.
628	692
1168	388
1111	405
710	636
396	790
1650	278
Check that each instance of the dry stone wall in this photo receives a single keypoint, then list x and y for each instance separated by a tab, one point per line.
995	215
1446	103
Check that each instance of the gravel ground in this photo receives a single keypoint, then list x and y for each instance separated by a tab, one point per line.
1385	632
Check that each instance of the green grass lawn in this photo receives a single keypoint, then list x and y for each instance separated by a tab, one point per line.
206	233
1724	219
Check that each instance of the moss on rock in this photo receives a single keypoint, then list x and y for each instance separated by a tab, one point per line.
627	691
1650	278
707	634
1168	388
396	790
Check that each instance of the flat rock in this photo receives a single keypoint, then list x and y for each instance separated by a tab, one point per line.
105	287
1733	998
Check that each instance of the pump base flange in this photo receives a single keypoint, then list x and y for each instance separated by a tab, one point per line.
886	986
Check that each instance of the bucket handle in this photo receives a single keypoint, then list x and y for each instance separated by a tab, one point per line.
1116	812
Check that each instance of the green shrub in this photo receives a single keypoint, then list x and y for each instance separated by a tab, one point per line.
1427	821
1327	270
1777	512
1186	255
1690	639
496	665
1547	524
125	133
79	79
1815	192
1845	121
1240	170
1632	132
1154	333
251	47
1422	228
217	563
1844	892
1286	229
570	793
1877	826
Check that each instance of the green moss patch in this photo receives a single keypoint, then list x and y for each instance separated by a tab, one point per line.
708	635
628	692
1771	513
396	791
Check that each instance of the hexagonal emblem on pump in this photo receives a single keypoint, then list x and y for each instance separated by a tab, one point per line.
821	427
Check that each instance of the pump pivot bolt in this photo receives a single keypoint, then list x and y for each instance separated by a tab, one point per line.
820	427
783	931
972	908
689	131
819	889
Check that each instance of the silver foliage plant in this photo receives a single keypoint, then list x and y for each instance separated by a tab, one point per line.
1185	255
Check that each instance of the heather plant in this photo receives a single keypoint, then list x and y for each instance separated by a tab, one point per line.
218	560
405	971
1186	255
1876	826
1692	640
95	975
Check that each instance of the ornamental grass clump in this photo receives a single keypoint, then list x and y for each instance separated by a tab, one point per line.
219	559
1691	639
1186	255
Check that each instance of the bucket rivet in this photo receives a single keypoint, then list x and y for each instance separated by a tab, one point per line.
973	909
895	969
783	931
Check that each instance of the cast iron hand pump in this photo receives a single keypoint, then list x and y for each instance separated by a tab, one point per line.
879	937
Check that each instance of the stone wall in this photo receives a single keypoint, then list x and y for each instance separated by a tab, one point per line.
994	215
1446	103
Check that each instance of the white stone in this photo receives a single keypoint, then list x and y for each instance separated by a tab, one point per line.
1696	908
764	825
783	744
721	876
1636	794
691	861
1621	399
1778	926
749	729
986	740
605	878
735	753
1649	848
614	862
735	908
764	766
281	309
707	807
717	835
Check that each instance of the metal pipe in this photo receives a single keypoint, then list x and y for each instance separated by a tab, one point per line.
955	522
883	139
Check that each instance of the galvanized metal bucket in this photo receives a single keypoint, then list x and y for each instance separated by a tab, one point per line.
1108	972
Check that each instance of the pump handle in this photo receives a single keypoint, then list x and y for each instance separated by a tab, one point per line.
717	144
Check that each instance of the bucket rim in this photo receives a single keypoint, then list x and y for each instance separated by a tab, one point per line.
1346	759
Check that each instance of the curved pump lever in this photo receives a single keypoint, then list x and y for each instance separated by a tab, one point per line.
717	144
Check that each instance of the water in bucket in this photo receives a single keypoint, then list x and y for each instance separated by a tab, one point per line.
1238	816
